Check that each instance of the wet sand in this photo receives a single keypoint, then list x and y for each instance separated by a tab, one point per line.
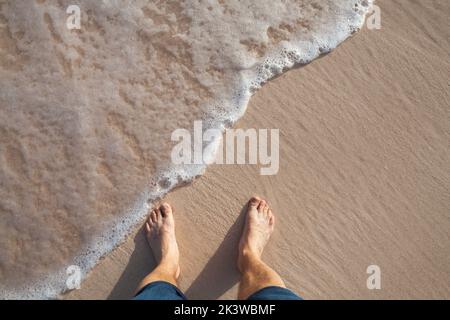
364	176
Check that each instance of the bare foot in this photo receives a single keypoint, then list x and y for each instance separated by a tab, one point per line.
258	228
160	228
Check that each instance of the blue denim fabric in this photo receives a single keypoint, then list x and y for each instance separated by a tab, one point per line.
161	290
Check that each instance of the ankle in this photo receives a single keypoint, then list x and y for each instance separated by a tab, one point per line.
248	252
247	259
169	268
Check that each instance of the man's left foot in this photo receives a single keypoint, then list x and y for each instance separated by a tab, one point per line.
160	230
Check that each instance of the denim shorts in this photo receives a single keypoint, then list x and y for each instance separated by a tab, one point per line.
161	290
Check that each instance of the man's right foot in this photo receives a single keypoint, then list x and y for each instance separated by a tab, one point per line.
258	228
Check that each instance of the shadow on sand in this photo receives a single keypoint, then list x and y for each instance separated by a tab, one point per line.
139	265
218	276
221	272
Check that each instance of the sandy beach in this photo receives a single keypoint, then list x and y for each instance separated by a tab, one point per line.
364	176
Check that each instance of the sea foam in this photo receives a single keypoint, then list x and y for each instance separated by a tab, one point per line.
86	115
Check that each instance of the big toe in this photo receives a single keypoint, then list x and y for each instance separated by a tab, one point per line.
166	210
254	202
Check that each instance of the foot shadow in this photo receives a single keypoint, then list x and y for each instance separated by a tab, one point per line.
221	272
140	264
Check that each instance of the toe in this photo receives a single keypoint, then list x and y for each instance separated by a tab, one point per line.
254	202
166	209
261	206
157	215
271	218
266	210
153	216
